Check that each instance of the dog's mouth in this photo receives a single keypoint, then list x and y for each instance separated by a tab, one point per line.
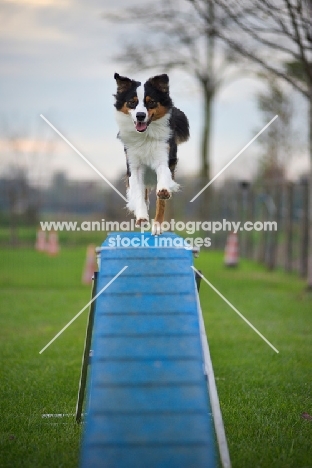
141	126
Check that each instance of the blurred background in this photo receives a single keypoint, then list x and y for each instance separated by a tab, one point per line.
233	66
228	74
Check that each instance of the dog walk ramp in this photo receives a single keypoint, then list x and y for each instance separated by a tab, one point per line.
148	404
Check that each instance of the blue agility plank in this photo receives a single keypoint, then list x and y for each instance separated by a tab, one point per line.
148	405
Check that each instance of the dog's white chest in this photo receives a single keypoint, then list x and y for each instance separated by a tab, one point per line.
149	148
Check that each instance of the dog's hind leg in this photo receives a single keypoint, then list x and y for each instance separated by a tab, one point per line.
147	198
159	216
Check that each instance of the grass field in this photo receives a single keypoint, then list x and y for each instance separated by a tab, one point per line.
262	394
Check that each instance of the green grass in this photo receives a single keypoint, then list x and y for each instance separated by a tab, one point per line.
39	295
262	394
26	236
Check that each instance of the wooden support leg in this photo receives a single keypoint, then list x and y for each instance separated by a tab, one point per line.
197	279
86	354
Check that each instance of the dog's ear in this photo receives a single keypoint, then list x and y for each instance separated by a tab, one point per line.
161	82
124	83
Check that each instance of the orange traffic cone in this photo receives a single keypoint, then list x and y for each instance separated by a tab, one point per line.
41	244
231	250
53	247
90	265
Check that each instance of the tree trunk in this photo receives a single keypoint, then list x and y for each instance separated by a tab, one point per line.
205	197
206	133
208	88
309	279
304	240
289	228
250	217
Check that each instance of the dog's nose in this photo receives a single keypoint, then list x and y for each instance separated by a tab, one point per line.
140	116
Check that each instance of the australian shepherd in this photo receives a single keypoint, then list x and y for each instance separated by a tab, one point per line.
150	128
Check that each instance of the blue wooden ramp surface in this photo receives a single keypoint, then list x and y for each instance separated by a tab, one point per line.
147	397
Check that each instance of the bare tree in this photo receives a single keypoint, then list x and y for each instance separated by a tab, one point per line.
176	36
275	35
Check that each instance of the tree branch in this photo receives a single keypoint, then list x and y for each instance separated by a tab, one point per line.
304	60
240	49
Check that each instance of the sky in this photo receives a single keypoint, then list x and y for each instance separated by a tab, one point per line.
57	58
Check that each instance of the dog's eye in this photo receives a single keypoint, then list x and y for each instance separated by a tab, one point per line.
152	104
132	104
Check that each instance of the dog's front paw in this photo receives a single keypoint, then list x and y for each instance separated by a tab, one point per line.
156	229
140	222
163	194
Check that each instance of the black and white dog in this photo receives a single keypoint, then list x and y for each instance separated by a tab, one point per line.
150	128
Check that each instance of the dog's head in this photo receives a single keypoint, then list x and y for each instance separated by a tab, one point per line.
143	106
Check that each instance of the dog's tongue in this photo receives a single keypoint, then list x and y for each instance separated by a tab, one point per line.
141	126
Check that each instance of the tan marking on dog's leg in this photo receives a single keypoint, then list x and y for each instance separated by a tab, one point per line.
159	216
160	210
